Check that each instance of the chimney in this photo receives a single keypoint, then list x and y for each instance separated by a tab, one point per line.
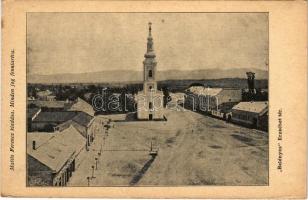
251	82
33	145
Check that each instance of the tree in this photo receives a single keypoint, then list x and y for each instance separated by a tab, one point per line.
167	97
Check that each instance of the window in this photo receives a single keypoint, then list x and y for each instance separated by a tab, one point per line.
150	88
150	73
150	105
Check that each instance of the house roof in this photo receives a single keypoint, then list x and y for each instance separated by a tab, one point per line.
69	123
32	111
39	137
55	116
82	105
227	106
83	118
54	150
200	90
254	107
44	93
50	104
65	118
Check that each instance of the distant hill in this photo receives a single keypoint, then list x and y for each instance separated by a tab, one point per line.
178	85
136	76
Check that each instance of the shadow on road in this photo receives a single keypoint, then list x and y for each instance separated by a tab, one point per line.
140	174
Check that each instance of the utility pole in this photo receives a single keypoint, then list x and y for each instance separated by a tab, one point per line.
92	171
96	161
88	180
208	99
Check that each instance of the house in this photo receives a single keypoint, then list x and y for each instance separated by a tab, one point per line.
224	110
32	113
50	105
211	100
84	123
50	98
46	121
43	95
52	157
200	98
252	114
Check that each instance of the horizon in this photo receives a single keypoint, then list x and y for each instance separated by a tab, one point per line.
141	82
251	69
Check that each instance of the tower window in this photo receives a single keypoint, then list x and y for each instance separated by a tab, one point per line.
150	87
150	105
150	73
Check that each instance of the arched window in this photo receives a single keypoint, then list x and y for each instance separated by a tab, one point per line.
150	73
150	88
150	105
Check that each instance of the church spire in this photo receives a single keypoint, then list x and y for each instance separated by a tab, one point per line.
150	49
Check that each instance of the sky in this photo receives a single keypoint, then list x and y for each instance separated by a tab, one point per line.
89	42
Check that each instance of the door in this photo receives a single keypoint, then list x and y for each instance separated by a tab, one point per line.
150	116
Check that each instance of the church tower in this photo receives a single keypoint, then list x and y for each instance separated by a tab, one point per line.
150	100
149	65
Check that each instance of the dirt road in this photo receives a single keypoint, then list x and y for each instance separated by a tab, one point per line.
193	150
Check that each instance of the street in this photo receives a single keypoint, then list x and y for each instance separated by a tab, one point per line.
193	150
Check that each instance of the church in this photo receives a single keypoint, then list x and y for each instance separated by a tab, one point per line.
150	100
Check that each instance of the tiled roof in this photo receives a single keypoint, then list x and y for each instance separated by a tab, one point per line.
254	107
56	150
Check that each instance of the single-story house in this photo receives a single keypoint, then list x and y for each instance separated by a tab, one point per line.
84	123
42	95
253	114
50	105
52	157
46	121
210	99
32	113
224	110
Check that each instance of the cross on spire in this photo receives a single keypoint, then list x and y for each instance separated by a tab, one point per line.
150	28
